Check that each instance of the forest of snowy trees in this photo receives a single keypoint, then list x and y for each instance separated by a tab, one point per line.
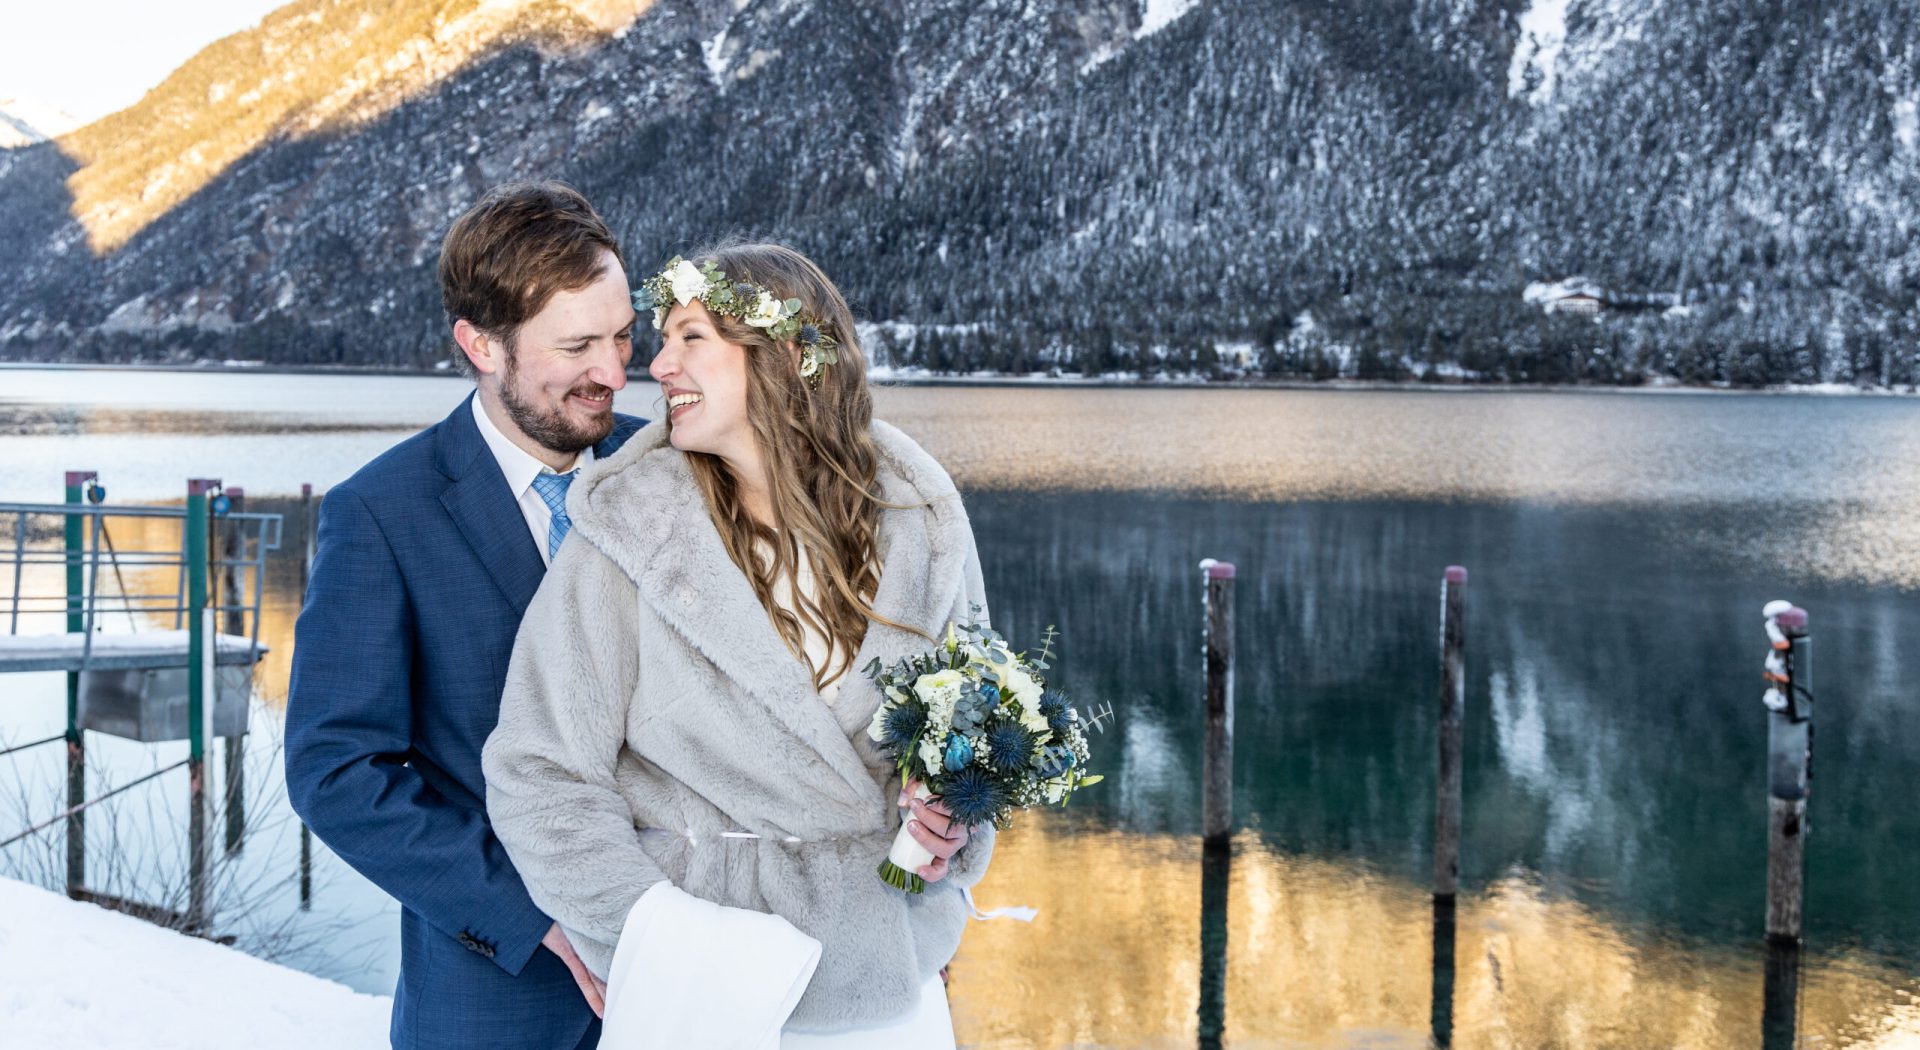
1256	187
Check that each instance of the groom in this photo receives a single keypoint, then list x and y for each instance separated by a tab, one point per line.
427	559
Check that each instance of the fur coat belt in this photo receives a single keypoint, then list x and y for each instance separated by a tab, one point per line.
650	692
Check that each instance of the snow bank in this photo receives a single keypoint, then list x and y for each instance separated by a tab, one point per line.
76	975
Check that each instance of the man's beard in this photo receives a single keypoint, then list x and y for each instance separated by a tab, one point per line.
553	430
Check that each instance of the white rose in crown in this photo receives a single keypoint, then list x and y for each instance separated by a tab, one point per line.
688	282
765	312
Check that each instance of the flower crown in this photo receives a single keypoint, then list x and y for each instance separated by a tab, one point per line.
682	282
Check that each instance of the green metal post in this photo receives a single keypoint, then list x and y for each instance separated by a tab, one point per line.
199	637
76	542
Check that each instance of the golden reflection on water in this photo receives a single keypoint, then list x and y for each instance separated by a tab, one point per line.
132	537
1326	953
1833	485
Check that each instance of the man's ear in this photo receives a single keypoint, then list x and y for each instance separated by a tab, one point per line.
483	351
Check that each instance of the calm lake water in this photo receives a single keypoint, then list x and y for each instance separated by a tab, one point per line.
1621	546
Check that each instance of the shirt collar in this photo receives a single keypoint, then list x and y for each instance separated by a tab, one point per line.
516	464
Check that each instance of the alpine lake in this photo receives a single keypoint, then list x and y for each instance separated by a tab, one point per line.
1620	547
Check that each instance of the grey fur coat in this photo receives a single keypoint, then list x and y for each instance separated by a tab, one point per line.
649	692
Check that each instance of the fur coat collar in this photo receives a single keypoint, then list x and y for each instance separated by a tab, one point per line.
644	511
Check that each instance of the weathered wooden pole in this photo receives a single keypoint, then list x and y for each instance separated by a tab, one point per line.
1217	804
75	538
200	651
1216	857
1789	702
1440	1016
234	622
1779	1022
1453	700
1789	765
309	529
1216	869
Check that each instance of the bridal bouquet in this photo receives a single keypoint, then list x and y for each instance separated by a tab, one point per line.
973	723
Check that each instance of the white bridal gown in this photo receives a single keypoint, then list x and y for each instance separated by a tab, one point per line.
689	972
930	1026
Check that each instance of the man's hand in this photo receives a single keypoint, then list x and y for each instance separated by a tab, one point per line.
933	827
592	987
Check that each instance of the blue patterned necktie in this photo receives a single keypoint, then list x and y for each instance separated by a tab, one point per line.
553	492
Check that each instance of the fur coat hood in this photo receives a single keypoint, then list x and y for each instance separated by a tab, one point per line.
651	706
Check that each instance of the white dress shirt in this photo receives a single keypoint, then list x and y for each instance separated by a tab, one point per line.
520	469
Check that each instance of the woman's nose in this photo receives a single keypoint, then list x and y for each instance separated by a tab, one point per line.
665	363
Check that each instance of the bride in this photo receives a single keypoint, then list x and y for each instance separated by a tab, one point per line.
684	719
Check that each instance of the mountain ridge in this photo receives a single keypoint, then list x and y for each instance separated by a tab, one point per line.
1039	185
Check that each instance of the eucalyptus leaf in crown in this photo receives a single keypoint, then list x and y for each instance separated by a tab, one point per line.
974	723
681	282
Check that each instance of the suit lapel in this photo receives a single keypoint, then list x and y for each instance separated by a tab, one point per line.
484	510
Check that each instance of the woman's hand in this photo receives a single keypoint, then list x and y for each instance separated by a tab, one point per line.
933	827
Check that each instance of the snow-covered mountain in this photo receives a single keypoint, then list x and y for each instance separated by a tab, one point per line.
1095	184
24	122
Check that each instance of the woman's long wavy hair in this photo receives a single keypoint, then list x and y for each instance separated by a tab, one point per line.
820	460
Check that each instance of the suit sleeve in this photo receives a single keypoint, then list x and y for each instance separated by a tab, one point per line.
552	758
348	739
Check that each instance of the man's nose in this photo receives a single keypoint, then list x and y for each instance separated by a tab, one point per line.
609	367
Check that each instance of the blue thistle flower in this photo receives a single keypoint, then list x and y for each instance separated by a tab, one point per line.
973	796
1053	708
902	724
1010	746
744	291
809	333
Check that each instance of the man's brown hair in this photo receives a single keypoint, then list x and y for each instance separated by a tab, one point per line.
507	256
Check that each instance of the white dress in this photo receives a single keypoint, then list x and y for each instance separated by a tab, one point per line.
930	1026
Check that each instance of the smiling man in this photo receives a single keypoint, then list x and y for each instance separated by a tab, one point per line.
427	559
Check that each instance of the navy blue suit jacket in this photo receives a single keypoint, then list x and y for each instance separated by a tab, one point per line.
423	571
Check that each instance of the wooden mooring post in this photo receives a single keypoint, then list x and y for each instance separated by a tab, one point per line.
1216	858
1217	804
1789	703
1453	693
234	622
309	530
1440	1013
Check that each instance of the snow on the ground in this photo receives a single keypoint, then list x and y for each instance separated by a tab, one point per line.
77	975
